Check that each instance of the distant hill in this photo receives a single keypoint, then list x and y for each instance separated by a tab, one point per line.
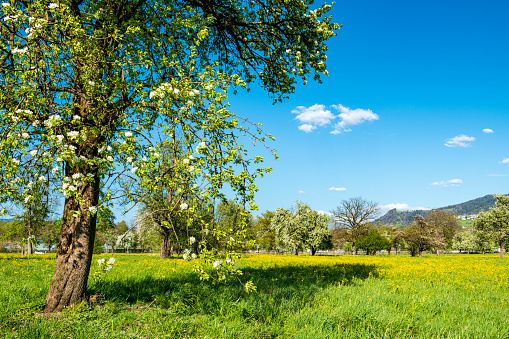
405	218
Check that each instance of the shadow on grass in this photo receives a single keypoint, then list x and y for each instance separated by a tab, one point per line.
288	287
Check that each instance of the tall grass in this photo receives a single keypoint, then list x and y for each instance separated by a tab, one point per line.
456	296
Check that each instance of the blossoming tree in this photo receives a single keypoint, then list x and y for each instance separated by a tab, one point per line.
83	82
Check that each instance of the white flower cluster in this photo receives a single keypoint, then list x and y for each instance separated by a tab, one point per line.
93	209
27	111
105	266
73	134
217	264
19	50
52	120
192	240
184	206
53	5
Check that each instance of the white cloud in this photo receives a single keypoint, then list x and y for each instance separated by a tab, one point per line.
337	189
505	161
307	128
301	192
351	117
461	140
498	175
318	115
487	130
400	207
452	182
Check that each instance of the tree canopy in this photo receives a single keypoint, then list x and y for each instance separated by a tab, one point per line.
83	84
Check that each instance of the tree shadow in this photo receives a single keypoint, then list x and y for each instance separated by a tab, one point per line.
290	287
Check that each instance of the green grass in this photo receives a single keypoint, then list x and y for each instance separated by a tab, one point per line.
456	296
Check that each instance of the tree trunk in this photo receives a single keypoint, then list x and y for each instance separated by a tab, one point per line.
296	251
313	251
438	252
75	249
420	254
165	243
502	250
30	247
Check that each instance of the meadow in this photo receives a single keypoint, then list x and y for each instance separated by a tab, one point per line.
451	296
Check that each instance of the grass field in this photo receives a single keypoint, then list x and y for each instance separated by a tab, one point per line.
452	296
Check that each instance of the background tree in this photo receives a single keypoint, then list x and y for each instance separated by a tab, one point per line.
51	233
443	225
300	229
83	82
265	237
373	242
417	237
351	217
464	241
232	221
494	224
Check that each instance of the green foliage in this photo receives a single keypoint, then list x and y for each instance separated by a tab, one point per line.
494	224
301	229
98	248
373	242
265	236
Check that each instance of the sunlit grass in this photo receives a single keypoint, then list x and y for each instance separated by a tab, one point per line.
452	296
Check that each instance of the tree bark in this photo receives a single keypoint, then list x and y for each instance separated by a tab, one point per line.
502	250
296	251
165	243
313	251
438	252
75	249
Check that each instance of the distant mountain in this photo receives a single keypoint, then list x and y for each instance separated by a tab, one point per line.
405	218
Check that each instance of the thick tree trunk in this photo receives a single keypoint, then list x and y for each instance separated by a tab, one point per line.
502	250
75	249
30	248
165	244
296	251
438	252
313	251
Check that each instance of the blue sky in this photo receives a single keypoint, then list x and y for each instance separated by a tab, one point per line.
416	83
412	86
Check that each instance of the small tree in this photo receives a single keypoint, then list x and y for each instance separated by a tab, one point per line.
417	237
351	218
494	224
373	242
300	229
265	236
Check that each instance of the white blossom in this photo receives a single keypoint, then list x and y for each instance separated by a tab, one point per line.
36	123
5	4
184	206
109	158
76	176
156	155
192	240
42	178
53	5
16	161
217	264
128	134
93	210
191	157
100	261
203	145
129	159
191	168
111	261
134	169
73	134
193	256
19	50
186	161
33	152
28	198
54	170
76	117
25	135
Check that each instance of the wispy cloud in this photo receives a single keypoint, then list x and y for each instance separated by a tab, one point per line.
487	130
461	140
498	175
337	189
452	182
351	117
400	207
318	116
301	192
505	161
